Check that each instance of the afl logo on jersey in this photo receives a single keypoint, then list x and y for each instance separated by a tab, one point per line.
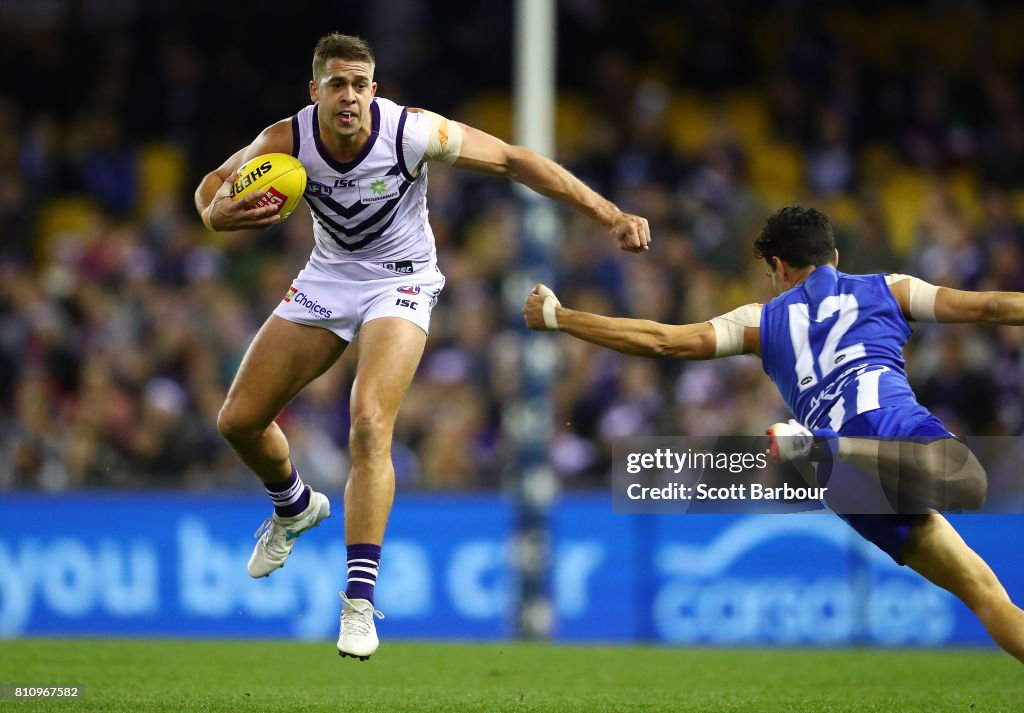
409	289
316	189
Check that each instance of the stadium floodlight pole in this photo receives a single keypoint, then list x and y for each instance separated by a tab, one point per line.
528	422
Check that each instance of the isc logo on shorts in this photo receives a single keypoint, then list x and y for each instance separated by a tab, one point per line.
402	267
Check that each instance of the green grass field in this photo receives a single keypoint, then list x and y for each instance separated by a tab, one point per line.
272	676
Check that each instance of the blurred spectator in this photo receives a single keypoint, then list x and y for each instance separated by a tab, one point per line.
122	320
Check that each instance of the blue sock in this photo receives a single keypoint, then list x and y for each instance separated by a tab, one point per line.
290	497
363	564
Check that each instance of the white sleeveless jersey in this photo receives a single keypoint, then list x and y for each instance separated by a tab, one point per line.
373	208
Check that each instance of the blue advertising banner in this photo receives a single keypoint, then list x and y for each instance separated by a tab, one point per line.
174	565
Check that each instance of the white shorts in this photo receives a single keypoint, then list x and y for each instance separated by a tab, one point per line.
342	297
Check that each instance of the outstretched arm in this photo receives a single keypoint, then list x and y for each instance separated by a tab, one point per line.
475	150
220	214
925	302
727	335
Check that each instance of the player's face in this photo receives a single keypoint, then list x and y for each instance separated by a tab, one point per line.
345	90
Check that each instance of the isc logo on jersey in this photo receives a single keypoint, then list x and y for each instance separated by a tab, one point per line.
281	177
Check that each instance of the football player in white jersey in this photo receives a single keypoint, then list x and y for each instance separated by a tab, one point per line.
372	272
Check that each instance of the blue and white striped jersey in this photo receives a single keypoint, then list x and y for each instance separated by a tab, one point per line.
833	345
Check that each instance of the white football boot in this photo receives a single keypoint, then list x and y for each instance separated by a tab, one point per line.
790	441
358	635
277	535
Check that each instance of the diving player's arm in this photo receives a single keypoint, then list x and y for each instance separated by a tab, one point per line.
219	214
924	302
737	332
474	150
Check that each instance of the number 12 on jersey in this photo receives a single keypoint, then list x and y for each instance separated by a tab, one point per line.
830	356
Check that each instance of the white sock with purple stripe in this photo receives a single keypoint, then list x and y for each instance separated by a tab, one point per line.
363	565
290	497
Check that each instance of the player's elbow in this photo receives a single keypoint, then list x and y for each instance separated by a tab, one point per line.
1003	308
661	347
992	308
661	342
518	163
688	345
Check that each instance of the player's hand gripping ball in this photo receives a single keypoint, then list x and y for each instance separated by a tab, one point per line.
280	175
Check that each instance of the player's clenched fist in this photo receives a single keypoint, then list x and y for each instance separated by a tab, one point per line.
540	309
632	232
225	213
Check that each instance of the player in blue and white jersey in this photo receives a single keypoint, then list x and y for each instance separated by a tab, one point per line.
372	271
833	345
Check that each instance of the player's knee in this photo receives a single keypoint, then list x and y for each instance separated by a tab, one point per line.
969	485
959	480
235	427
370	434
975	490
959	491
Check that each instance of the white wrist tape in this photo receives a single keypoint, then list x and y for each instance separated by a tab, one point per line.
551	303
922	296
729	329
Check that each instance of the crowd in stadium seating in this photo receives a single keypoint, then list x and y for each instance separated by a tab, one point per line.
122	320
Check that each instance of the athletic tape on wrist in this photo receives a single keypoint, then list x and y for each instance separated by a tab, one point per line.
550	320
209	212
551	303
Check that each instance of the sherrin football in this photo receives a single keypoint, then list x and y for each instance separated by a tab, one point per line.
282	176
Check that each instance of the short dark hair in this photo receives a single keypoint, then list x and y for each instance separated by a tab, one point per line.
799	236
337	45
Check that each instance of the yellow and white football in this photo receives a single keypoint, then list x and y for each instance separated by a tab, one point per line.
282	176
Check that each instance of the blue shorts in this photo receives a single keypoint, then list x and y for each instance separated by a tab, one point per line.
890	532
911	420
